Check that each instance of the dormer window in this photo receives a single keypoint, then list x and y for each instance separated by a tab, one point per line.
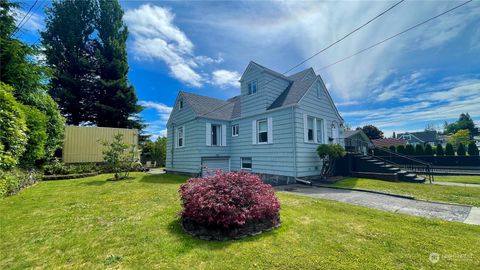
180	104
252	87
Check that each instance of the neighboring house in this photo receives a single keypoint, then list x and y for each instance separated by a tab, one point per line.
272	128
476	139
422	137
387	142
357	141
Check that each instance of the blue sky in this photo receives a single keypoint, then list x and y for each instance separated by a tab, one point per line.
426	76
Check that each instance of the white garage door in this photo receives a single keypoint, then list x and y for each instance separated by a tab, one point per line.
211	165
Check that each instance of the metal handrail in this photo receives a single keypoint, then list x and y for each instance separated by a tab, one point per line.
409	167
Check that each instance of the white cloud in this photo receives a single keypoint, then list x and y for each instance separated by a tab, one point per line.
470	90
157	127
33	22
162	109
224	78
156	37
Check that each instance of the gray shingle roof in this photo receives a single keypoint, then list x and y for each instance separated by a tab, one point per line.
214	108
295	91
423	136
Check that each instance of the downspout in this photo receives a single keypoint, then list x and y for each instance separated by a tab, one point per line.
173	145
294	143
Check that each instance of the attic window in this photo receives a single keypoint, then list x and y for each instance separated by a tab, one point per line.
180	104
252	87
319	91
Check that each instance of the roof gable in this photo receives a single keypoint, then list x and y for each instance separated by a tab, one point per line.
253	65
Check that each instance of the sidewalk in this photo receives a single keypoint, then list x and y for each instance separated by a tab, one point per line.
450	212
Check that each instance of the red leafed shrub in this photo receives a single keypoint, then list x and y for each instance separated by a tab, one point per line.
229	200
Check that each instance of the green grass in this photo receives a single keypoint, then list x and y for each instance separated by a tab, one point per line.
91	223
459	179
449	194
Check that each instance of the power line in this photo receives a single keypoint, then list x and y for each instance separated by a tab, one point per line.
26	14
396	35
344	37
324	49
30	16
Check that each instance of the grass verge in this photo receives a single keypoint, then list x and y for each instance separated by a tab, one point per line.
449	194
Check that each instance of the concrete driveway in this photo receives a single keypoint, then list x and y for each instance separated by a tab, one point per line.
390	203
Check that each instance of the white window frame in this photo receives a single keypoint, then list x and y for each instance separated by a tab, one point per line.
218	129
235	130
258	130
180	104
316	121
320	126
241	163
313	119
222	135
178	136
250	88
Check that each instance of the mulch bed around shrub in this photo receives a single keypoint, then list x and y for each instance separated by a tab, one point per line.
250	228
68	176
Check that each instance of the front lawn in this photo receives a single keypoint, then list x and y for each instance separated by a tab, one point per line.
91	223
474	179
449	194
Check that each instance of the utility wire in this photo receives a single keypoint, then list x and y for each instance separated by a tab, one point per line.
344	37
324	49
26	14
31	14
396	35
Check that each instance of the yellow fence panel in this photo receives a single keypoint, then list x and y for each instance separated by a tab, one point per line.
83	144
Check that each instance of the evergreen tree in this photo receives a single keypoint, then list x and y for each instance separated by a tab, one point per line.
461	150
69	48
401	149
449	151
472	149
117	100
419	150
85	45
428	150
439	150
392	148
409	150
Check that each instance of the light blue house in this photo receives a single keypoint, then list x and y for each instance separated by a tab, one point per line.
272	128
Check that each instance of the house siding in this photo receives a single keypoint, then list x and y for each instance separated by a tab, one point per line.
269	87
275	158
187	158
308	162
286	155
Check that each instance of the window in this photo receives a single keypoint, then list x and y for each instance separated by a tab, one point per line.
319	130
252	87
310	121
216	135
180	104
262	130
319	91
235	130
180	137
246	163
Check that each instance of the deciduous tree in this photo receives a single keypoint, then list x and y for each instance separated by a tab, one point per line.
372	132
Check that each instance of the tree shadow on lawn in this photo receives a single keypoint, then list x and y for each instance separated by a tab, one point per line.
163	179
190	242
348	182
